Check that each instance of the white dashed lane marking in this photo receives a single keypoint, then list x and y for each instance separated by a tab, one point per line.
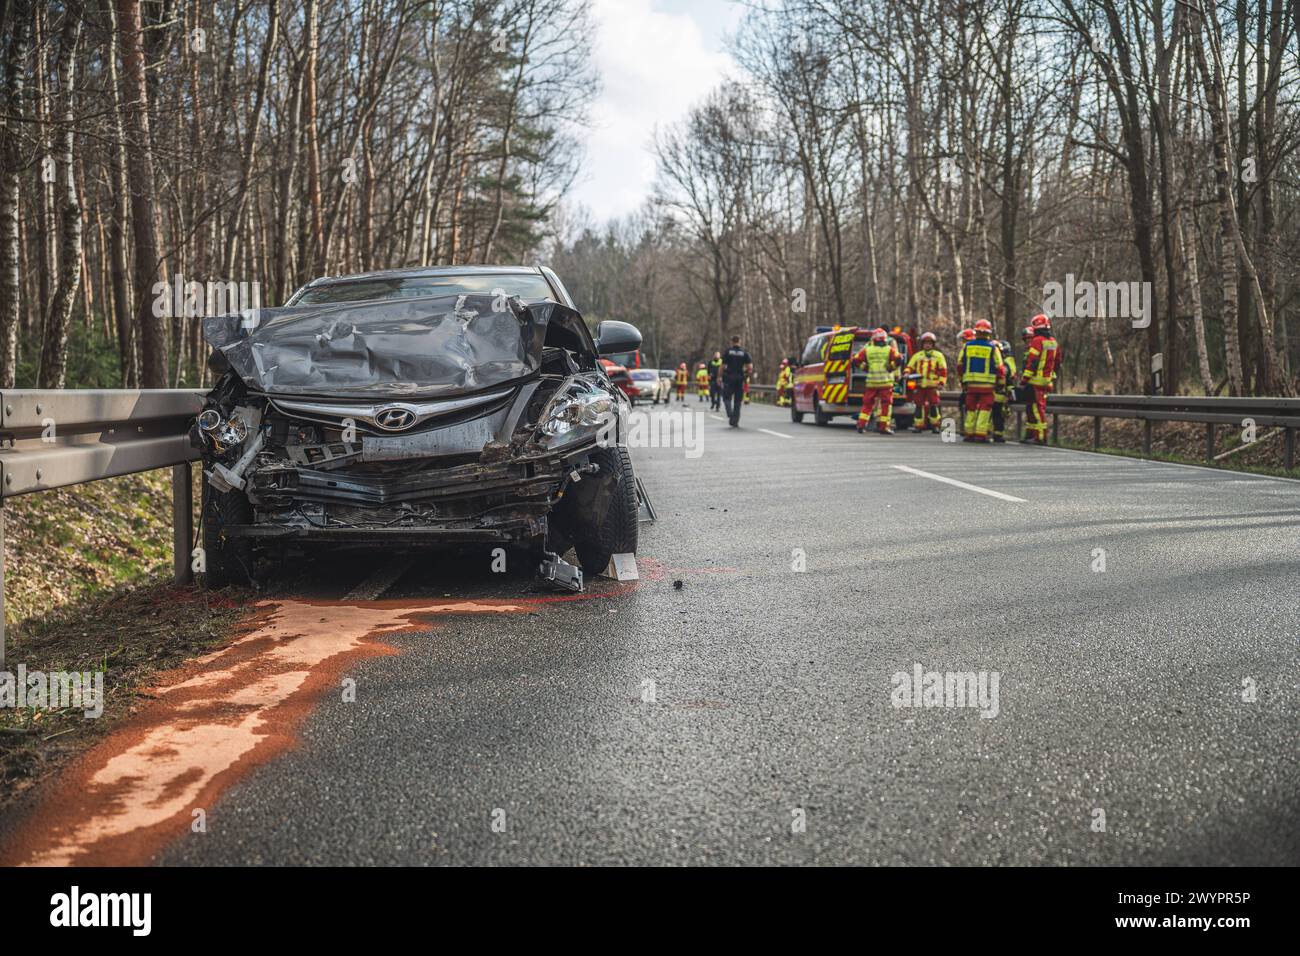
958	484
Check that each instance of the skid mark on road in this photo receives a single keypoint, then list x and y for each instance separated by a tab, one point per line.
215	720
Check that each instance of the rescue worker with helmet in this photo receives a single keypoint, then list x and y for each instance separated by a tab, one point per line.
680	380
880	358
1042	361
932	369
1002	394
702	381
964	336
715	382
784	383
982	371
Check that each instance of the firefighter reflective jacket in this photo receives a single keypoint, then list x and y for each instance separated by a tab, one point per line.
785	379
931	366
1042	359
1001	393
880	361
701	377
981	364
681	376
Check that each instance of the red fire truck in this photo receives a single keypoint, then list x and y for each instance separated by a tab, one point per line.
826	384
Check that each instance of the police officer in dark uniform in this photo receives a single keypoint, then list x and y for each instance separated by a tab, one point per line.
735	364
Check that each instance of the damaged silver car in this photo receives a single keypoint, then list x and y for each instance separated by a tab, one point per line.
445	407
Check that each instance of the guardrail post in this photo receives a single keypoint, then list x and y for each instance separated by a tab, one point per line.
1096	432
1209	441
1146	436
1288	452
182	522
1056	422
1020	423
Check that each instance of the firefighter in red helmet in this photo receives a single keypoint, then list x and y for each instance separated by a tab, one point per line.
1042	361
928	363
982	371
880	358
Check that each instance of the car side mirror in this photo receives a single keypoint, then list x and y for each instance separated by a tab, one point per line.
613	337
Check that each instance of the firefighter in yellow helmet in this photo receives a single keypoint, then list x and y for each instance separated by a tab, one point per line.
702	382
982	372
680	380
784	383
880	358
932	367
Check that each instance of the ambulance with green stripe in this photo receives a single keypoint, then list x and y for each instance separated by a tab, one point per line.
826	384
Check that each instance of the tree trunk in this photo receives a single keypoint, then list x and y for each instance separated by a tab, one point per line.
54	350
144	216
15	56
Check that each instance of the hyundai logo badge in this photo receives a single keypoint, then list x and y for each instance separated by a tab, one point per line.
394	418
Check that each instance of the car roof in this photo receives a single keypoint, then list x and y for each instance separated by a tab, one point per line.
429	271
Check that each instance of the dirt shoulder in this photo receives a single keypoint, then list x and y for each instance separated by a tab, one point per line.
88	590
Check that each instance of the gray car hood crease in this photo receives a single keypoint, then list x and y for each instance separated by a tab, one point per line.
436	346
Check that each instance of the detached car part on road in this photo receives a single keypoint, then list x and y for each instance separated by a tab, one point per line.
444	407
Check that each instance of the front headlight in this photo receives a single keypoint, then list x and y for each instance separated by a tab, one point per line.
578	411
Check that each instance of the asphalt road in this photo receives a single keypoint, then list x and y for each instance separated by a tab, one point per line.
771	734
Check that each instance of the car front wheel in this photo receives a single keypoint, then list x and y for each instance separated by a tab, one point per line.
226	560
603	519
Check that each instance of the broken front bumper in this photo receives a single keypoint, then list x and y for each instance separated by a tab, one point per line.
471	503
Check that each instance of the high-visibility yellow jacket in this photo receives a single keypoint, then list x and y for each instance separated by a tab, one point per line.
701	377
1001	392
681	376
931	366
880	360
980	364
785	379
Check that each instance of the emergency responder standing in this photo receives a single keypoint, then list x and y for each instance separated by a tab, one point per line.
1042	361
932	369
715	381
880	358
702	381
784	383
680	381
1002	394
736	364
964	336
981	370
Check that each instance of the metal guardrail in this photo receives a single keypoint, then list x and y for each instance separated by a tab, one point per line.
1212	412
53	438
1281	413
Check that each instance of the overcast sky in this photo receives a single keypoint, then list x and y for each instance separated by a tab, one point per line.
657	58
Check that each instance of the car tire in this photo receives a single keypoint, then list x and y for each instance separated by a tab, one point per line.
819	417
602	536
796	416
225	560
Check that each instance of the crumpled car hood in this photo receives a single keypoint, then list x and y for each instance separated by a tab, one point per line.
433	347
